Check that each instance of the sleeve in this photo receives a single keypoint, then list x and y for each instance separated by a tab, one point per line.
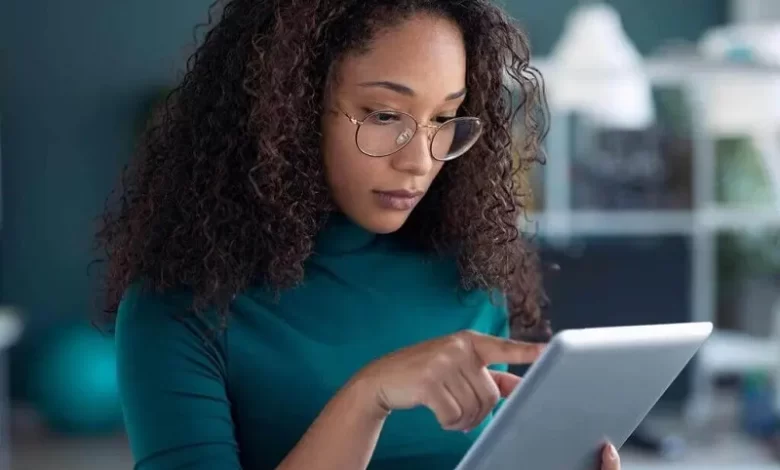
172	385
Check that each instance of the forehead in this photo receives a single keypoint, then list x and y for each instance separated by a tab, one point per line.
425	53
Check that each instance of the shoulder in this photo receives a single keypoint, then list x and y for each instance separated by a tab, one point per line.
148	319
140	303
141	307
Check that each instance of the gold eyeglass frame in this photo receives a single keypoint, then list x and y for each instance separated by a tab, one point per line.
418	125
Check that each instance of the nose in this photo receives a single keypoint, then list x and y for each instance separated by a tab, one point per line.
415	158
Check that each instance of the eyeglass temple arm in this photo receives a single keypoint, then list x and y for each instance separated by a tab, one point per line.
351	118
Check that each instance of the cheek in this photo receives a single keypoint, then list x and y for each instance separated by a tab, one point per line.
348	170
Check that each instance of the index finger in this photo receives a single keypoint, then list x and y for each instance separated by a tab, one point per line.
495	350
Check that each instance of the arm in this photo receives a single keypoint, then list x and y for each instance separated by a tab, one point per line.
172	388
343	436
172	380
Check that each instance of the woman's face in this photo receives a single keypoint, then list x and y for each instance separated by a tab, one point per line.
419	68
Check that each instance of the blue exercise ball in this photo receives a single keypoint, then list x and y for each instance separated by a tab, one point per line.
74	381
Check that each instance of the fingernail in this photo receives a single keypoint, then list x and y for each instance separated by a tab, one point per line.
466	431
613	453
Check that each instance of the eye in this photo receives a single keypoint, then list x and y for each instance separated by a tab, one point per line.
443	119
382	118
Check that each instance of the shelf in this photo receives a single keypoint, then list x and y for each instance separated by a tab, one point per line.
610	223
674	70
728	352
738	219
650	222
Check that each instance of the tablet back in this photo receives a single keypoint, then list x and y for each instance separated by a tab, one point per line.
590	386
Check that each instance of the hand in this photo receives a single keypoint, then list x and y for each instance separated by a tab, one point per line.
610	460
449	375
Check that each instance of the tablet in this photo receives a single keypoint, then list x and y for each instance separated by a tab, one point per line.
590	386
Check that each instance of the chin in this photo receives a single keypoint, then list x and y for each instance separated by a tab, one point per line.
386	222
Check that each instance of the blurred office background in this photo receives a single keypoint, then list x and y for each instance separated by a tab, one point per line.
659	203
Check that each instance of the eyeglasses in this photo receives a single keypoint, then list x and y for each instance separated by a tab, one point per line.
385	132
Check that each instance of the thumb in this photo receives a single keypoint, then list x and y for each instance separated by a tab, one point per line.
505	381
610	459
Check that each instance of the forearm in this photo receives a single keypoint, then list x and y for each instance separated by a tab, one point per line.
343	436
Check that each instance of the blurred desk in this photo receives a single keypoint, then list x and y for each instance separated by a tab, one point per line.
10	330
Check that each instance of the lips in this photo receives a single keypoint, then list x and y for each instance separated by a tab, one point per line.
401	199
402	193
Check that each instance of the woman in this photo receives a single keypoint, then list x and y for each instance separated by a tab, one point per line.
308	264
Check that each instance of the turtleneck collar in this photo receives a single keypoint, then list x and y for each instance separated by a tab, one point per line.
341	235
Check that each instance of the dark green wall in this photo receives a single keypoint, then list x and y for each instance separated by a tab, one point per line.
75	75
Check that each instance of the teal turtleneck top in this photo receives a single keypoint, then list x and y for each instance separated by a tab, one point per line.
242	398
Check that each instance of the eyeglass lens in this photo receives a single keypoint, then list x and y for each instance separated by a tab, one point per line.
385	132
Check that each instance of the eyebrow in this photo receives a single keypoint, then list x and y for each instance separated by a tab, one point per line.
405	90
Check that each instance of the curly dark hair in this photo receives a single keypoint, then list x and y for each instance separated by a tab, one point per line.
229	188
